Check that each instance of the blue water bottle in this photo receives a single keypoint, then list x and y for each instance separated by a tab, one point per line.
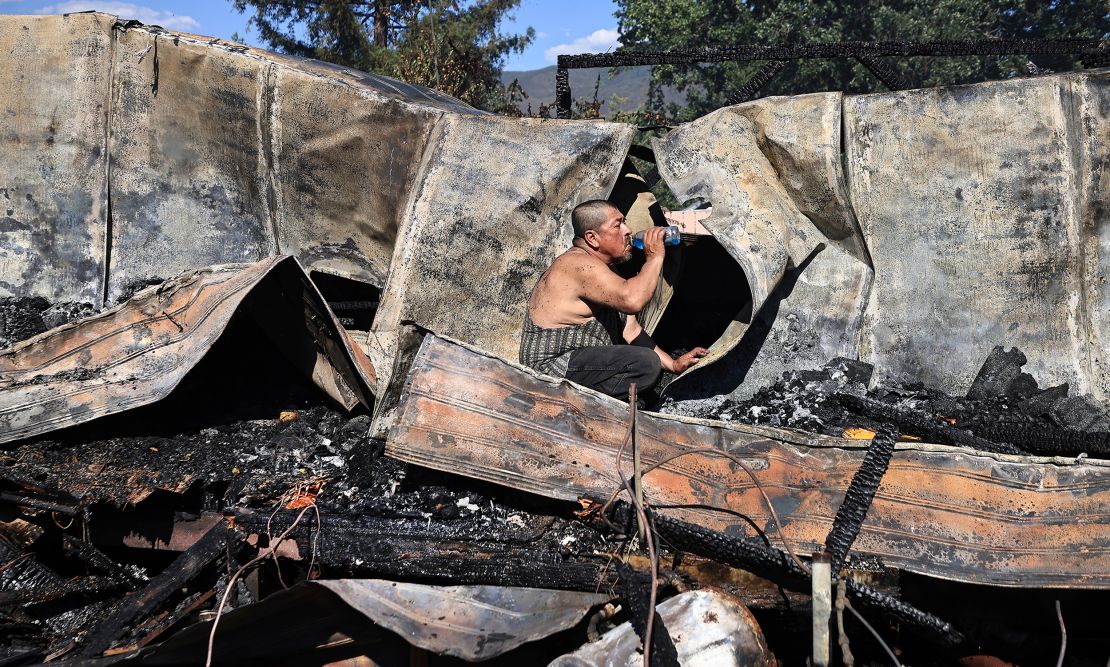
672	237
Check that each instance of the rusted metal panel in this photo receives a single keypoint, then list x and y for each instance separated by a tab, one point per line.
137	353
52	191
941	511
490	212
772	171
981	205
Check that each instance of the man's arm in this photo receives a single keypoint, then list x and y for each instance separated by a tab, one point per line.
634	334
598	284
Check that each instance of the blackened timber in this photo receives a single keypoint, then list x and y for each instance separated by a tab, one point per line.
1093	53
883	72
758	80
427	551
744	52
926	426
88	586
97	559
191	562
775	565
861	491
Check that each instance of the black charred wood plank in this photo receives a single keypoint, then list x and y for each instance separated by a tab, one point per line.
925	426
857	499
89	586
775	565
186	566
100	561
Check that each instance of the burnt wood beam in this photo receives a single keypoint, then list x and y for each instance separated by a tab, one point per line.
562	91
746	52
761	78
883	72
1093	53
186	566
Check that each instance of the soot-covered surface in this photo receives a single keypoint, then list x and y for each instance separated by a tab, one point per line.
253	464
1005	410
24	317
373	517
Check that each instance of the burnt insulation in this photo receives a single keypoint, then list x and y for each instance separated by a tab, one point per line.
852	511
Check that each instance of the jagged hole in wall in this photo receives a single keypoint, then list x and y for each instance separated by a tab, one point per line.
710	294
354	303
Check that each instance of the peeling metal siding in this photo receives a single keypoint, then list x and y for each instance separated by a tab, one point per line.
968	199
489	214
52	189
138	352
185	183
941	511
773	173
1089	106
219	153
343	164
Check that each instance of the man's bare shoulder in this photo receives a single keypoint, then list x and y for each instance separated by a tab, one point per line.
576	261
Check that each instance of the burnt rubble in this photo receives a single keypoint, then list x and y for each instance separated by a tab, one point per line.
120	537
24	317
1004	411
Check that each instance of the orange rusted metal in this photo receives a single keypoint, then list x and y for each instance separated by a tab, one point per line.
137	353
941	511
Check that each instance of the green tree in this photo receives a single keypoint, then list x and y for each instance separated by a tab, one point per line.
671	24
451	45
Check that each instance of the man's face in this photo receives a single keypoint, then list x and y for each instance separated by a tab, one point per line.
613	238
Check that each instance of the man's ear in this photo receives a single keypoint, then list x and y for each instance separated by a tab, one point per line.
590	237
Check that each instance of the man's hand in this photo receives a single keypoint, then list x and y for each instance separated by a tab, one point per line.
689	359
653	242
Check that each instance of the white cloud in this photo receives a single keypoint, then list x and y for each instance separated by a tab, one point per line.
597	41
126	10
539	35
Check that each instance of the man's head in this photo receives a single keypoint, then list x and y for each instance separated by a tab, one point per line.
599	226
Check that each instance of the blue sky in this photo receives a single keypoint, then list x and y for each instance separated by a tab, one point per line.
567	26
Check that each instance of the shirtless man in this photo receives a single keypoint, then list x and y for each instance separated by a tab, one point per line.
581	319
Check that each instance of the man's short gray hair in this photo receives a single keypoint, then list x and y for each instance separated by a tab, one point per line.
590	215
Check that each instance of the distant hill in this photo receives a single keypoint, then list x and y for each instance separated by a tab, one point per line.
630	85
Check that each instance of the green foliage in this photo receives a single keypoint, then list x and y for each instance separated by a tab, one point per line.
450	45
670	24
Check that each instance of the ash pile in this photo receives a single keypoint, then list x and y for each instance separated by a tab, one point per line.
1005	410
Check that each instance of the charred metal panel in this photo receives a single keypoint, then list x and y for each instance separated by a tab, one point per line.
188	180
343	160
1088	100
941	511
772	171
968	197
138	352
489	213
52	191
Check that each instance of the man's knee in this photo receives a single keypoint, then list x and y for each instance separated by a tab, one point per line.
644	367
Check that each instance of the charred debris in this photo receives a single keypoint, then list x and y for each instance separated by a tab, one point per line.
248	498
